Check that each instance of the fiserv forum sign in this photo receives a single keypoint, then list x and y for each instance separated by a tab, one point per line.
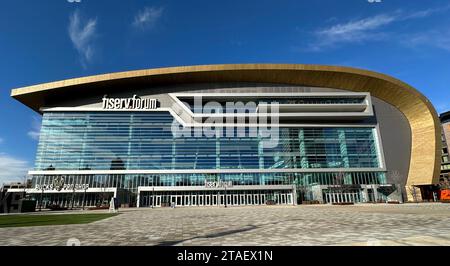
134	103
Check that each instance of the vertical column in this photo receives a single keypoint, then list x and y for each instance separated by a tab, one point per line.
294	194
364	195
138	199
302	148
344	155
218	135
303	159
261	160
375	193
130	137
83	145
174	152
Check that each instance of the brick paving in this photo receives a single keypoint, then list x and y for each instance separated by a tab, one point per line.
380	224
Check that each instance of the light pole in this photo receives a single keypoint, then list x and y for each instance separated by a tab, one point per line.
225	186
84	197
153	195
73	194
42	197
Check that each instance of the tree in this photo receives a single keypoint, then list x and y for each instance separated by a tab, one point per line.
413	192
444	183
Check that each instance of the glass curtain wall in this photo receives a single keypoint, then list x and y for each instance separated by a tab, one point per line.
144	141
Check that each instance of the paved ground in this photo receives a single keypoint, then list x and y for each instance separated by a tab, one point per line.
407	224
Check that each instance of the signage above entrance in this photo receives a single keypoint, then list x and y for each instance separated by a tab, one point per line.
218	184
64	187
134	103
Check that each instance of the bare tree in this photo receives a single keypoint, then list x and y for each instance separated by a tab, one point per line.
413	192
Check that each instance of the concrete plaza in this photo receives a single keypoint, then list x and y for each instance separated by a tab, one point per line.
366	224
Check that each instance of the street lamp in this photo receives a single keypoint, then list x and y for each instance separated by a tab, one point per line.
225	186
73	195
153	195
84	197
42	197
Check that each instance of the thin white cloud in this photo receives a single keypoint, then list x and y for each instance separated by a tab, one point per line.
12	169
147	18
434	38
82	34
425	13
353	31
35	128
361	30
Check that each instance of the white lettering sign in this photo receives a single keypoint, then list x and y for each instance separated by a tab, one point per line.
218	184
64	187
129	103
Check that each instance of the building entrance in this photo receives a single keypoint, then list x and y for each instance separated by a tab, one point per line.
215	198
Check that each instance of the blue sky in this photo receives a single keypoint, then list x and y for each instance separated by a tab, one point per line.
48	40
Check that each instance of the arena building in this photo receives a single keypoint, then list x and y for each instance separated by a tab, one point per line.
225	135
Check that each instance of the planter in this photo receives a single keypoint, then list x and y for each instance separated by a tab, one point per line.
393	202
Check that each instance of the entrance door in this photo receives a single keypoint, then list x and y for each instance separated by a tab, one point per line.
173	200
200	200
186	200
179	201
222	200
149	201
256	199
207	200
157	201
214	200
249	199
263	199
242	199
283	198
235	199
228	199
144	201
289	198
193	200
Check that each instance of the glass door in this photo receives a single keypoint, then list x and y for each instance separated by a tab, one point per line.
249	199
242	199
289	198
256	199
200	200
157	201
235	199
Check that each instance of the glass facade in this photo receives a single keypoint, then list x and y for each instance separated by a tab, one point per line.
127	140
144	141
133	181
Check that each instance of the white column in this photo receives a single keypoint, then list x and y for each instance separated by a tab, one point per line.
138	203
